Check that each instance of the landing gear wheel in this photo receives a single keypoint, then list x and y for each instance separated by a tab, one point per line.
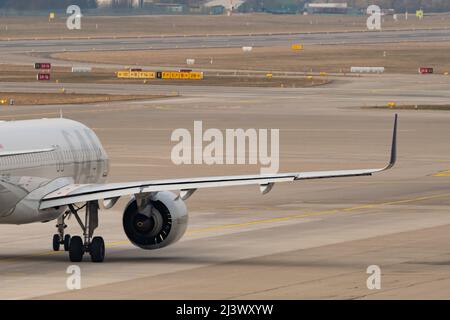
97	249
76	249
66	242
77	245
56	242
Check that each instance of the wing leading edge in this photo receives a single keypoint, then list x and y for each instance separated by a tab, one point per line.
88	192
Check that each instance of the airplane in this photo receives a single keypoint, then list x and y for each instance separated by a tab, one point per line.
51	169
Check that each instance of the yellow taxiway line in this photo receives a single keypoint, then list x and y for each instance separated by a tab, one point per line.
442	174
264	221
315	214
299	216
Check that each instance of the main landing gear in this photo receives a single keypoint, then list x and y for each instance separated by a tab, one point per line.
76	245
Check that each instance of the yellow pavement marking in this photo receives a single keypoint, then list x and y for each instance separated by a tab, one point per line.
299	216
442	174
315	214
263	221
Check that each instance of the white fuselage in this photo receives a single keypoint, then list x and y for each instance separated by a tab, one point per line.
40	156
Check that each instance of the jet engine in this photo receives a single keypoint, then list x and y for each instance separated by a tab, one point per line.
155	221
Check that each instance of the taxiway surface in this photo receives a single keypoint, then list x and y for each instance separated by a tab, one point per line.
312	239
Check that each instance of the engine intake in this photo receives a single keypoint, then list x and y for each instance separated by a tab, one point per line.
161	221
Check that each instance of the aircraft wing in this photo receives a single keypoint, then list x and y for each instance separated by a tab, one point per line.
75	193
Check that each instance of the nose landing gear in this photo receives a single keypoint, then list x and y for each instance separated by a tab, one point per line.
60	238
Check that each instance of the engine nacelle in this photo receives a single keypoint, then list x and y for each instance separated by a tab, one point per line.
161	220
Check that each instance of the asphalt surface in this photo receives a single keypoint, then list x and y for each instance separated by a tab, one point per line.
311	239
25	51
164	42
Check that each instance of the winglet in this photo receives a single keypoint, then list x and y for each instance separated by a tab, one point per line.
393	147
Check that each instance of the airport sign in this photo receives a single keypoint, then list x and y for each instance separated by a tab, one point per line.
43	76
42	65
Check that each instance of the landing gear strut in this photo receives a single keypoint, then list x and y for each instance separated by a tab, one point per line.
95	246
60	238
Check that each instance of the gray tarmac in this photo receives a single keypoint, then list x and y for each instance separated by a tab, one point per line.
211	41
311	239
24	51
